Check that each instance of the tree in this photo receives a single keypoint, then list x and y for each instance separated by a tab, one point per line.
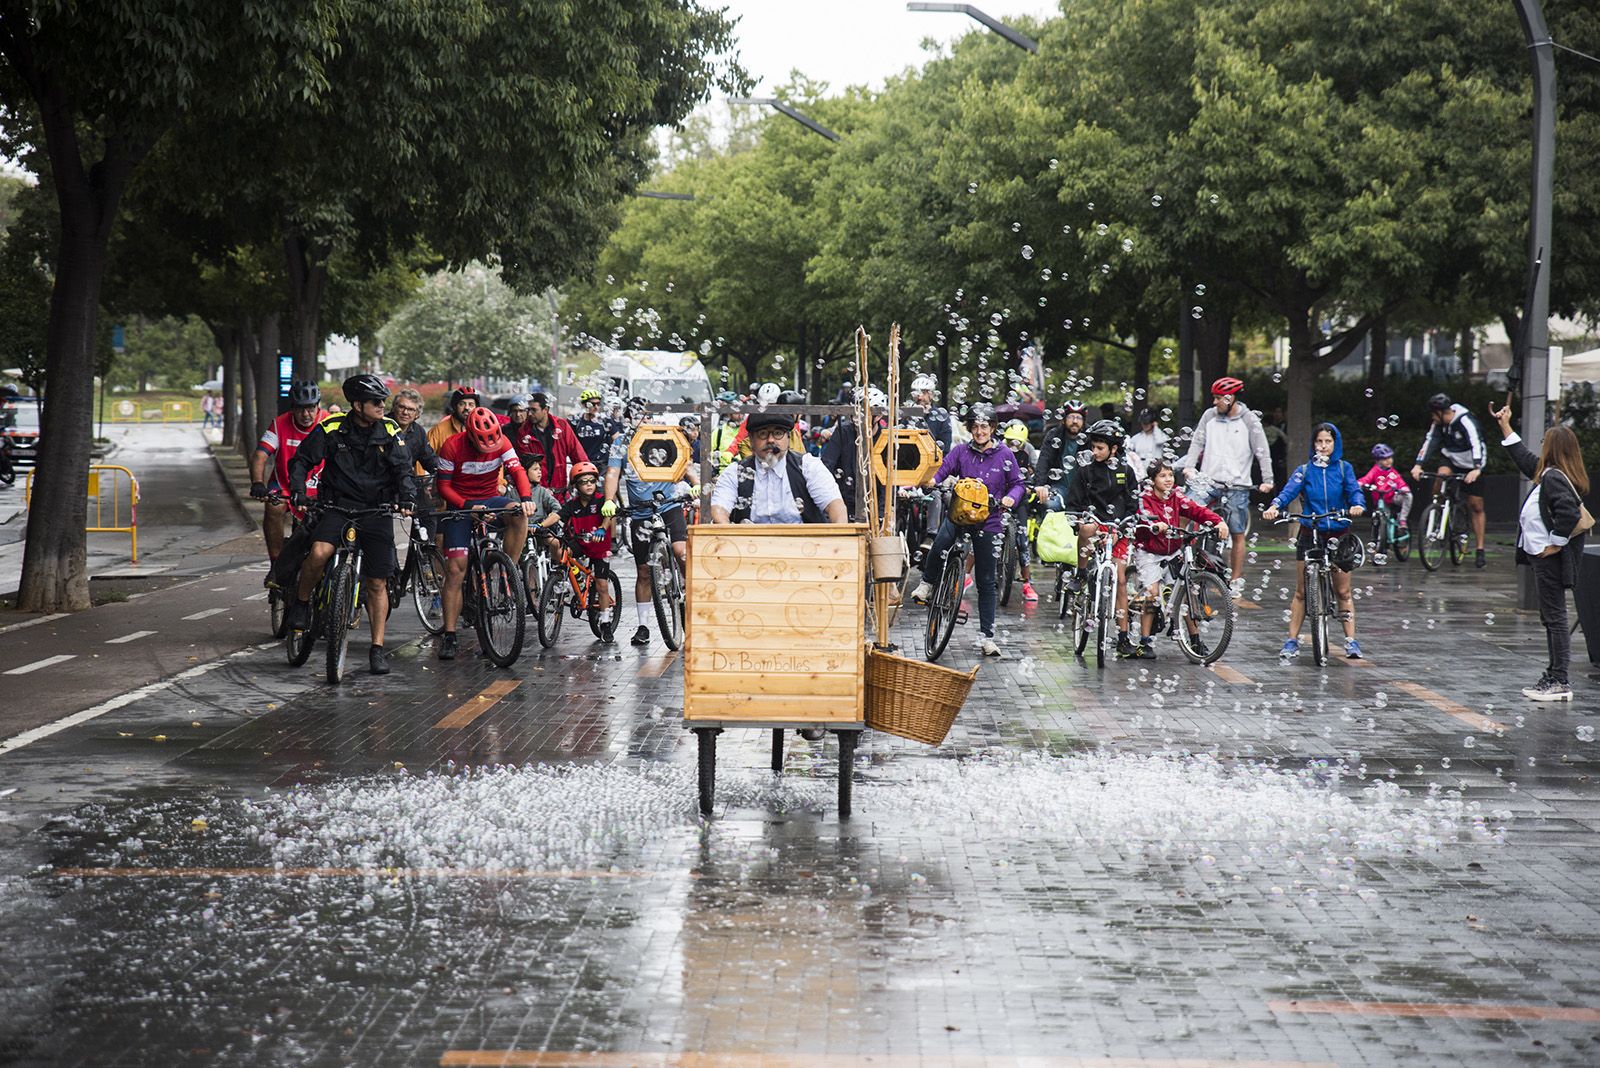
467	323
170	353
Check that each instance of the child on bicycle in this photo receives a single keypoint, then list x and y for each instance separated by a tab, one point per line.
1109	489
589	529
1387	484
1326	483
1154	545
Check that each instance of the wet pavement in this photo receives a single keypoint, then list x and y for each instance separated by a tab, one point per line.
1379	862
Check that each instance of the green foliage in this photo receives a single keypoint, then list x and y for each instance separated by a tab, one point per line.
166	353
466	323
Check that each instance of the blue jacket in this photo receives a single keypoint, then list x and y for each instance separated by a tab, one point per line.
1324	487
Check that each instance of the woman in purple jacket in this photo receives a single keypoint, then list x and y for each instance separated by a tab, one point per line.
996	467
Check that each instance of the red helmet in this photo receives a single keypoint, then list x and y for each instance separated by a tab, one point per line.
1226	387
483	427
581	468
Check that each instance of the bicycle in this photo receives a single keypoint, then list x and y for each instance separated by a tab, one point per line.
1388	536
535	567
336	602
1011	534
944	606
277	602
492	593
1439	534
581	590
422	577
1093	605
1198	598
666	572
1319	580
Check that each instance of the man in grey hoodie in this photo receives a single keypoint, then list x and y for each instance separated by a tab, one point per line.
1227	438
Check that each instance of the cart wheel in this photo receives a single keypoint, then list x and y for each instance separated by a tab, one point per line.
777	751
708	766
847	753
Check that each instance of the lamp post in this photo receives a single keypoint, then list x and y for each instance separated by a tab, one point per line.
1015	36
777	105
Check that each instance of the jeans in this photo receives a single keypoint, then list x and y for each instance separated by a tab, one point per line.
1233	502
1547	577
985	560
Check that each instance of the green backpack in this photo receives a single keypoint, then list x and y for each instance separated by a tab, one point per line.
1058	539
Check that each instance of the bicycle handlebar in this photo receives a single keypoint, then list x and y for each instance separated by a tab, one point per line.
1312	517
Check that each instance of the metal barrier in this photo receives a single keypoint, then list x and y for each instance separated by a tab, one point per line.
122	502
134	411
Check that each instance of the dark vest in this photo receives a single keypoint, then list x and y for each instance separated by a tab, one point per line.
744	496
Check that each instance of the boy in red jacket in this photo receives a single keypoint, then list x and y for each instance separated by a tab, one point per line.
1164	509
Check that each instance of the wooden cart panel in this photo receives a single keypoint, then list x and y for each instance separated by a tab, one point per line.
776	623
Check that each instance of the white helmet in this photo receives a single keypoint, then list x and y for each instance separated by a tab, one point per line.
924	383
876	397
768	393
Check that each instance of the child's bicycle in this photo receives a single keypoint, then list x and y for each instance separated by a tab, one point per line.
1092	607
574	584
1388	536
1195	609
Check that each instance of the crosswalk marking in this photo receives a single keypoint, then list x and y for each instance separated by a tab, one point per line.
46	662
205	613
126	638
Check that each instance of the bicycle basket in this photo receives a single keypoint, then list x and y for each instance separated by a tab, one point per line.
969	503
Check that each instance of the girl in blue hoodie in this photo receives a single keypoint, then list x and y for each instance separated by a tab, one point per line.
1326	484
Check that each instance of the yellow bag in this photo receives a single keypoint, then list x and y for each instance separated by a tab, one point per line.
969	504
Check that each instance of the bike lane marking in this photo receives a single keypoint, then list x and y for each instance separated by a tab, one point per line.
126	638
1228	674
46	662
28	737
34	622
1475	720
471	710
205	613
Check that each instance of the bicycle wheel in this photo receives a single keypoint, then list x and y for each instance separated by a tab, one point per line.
944	605
502	617
1315	616
1430	546
1008	560
1455	541
533	578
297	643
552	609
342	606
666	591
1204	618
278	613
1080	620
1061	592
604	625
1399	541
426	585
1106	596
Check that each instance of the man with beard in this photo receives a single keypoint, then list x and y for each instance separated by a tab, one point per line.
774	484
1058	453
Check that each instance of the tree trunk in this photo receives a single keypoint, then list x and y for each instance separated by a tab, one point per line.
266	373
1213	337
1097	370
227	339
249	434
1141	373
1377	366
308	283
1300	381
1464	350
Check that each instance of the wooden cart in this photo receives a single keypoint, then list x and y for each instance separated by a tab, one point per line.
775	638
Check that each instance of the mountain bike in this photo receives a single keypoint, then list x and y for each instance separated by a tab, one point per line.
336	602
1320	602
492	592
1388	536
1196	608
1439	533
422	577
666	573
1093	606
580	592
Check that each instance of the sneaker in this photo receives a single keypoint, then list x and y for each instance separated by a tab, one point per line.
1290	650
921	594
1236	588
1126	650
447	645
812	734
377	660
967	585
1548	690
299	615
641	636
1481	562
987	647
1029	593
1145	651
1352	649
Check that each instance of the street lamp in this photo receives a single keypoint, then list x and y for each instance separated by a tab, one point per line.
777	105
1015	36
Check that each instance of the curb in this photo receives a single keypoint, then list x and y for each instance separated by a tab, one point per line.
225	459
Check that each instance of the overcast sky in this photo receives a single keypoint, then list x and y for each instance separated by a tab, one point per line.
849	42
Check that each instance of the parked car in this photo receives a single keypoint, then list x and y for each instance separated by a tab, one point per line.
19	424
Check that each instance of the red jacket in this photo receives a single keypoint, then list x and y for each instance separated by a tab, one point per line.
565	450
1172	511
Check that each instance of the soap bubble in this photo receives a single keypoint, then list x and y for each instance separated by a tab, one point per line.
1155	200
1027	252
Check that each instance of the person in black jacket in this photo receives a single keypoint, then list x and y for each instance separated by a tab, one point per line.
1107	489
365	465
1548	537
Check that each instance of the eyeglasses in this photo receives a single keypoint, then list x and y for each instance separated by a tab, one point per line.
407	409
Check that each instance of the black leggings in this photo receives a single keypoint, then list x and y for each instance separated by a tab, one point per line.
1548	579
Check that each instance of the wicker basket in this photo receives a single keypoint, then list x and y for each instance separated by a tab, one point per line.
913	698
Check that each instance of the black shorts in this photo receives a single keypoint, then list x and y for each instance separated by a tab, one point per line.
1468	489
1304	541
639	532
375	534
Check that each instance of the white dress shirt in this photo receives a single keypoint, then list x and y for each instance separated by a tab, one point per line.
772	499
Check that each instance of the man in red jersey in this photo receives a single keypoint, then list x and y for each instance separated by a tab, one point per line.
280	443
470	466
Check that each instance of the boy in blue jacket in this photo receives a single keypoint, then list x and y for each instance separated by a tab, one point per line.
1326	484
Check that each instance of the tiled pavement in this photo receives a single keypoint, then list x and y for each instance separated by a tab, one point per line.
778	934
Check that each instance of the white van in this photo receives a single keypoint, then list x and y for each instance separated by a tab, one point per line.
660	377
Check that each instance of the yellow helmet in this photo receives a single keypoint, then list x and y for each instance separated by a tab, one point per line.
1016	430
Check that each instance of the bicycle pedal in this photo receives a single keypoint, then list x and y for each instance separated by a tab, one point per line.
961	617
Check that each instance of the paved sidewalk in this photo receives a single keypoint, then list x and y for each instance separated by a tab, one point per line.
1387	861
